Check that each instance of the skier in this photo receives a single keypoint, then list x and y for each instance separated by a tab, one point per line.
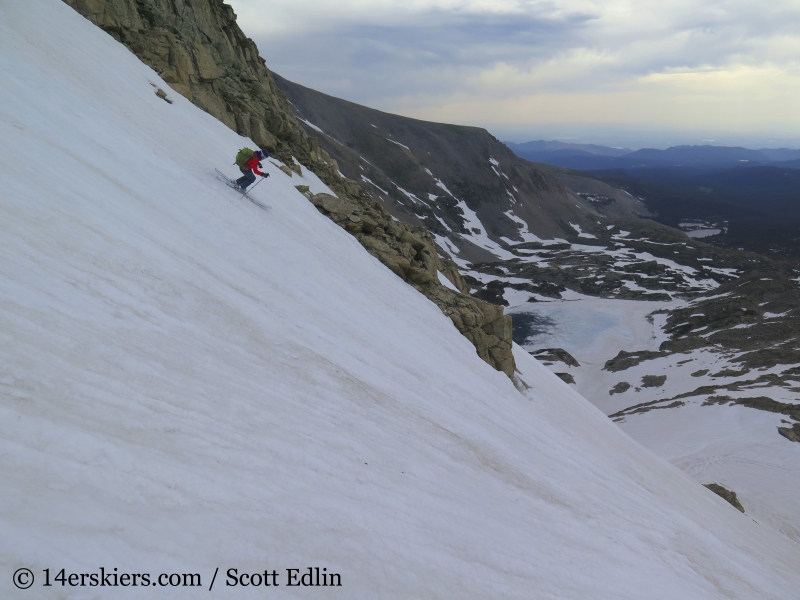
249	162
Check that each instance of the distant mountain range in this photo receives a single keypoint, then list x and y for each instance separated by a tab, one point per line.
591	157
752	196
545	148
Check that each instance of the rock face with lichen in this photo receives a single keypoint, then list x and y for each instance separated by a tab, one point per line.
197	47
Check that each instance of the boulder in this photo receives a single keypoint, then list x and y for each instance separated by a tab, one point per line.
408	238
375	245
368	225
419	276
392	265
338	206
726	494
318	199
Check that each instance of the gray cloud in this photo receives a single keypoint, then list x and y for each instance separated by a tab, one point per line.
414	58
436	54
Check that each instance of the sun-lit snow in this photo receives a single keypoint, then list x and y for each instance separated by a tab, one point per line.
190	382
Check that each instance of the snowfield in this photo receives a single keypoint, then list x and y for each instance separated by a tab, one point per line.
188	382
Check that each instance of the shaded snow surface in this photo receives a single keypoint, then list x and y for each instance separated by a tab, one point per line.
189	382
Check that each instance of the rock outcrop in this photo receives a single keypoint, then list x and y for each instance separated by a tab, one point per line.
726	494
197	47
410	252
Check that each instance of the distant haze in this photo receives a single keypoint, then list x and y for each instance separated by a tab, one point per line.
619	73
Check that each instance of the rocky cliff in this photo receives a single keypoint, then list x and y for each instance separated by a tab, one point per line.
197	47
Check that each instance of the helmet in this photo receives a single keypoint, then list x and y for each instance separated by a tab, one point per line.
262	154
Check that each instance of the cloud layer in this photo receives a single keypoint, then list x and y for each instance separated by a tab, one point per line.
693	68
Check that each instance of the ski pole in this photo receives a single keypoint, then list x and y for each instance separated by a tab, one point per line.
254	187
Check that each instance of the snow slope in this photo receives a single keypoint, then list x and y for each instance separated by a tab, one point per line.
189	382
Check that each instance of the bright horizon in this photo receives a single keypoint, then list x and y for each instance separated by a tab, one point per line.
617	73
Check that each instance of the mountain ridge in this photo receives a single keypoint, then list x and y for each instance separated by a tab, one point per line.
582	157
441	174
544	146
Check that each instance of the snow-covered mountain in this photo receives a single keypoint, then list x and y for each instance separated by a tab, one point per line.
463	184
189	382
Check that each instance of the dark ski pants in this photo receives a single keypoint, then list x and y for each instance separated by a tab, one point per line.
247	178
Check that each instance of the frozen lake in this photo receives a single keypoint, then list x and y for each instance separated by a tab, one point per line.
591	329
702	233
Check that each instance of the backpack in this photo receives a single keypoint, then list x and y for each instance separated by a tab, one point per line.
243	156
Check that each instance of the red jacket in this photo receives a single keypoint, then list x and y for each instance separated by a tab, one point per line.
252	165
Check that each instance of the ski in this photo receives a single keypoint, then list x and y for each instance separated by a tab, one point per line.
232	184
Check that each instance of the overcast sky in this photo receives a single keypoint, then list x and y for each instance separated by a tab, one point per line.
619	72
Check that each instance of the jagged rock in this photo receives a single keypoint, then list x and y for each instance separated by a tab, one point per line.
415	243
791	433
730	373
726	495
566	377
646	407
419	276
338	206
555	355
653	380
619	388
163	95
368	225
626	360
318	200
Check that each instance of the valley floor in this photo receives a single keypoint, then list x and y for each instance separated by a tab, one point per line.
734	446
